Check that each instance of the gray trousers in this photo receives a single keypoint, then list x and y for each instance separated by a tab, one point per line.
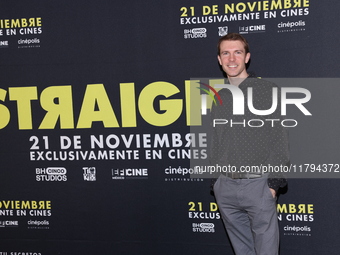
248	210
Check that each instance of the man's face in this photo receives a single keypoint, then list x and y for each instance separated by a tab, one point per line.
233	59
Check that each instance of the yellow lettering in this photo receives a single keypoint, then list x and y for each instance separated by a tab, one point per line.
292	208
34	205
206	10
7	23
302	208
276	5
41	205
265	5
172	107
25	205
31	22
282	208
24	23
215	9
229	8
15	23
241	7
62	109
95	95
210	10
38	24
24	96
287	4
4	112
213	207
128	104
6	204
310	208
251	6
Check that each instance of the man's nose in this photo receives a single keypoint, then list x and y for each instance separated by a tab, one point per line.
231	57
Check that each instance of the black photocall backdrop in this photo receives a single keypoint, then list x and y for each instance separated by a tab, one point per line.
100	186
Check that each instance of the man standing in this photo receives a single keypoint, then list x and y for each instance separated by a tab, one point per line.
247	199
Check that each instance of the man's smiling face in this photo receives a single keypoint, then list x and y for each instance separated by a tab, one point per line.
233	59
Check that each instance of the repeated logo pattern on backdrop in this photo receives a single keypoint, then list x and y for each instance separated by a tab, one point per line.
100	119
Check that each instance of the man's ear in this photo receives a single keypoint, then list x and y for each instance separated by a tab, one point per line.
247	57
219	59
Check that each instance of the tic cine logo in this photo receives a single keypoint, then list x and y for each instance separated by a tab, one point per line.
239	101
89	173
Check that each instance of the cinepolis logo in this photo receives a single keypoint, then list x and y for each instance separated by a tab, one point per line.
239	104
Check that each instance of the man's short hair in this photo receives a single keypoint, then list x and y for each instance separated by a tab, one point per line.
233	37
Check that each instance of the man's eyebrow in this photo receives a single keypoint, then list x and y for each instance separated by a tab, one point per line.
231	50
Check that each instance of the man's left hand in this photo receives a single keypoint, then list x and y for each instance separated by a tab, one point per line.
273	192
